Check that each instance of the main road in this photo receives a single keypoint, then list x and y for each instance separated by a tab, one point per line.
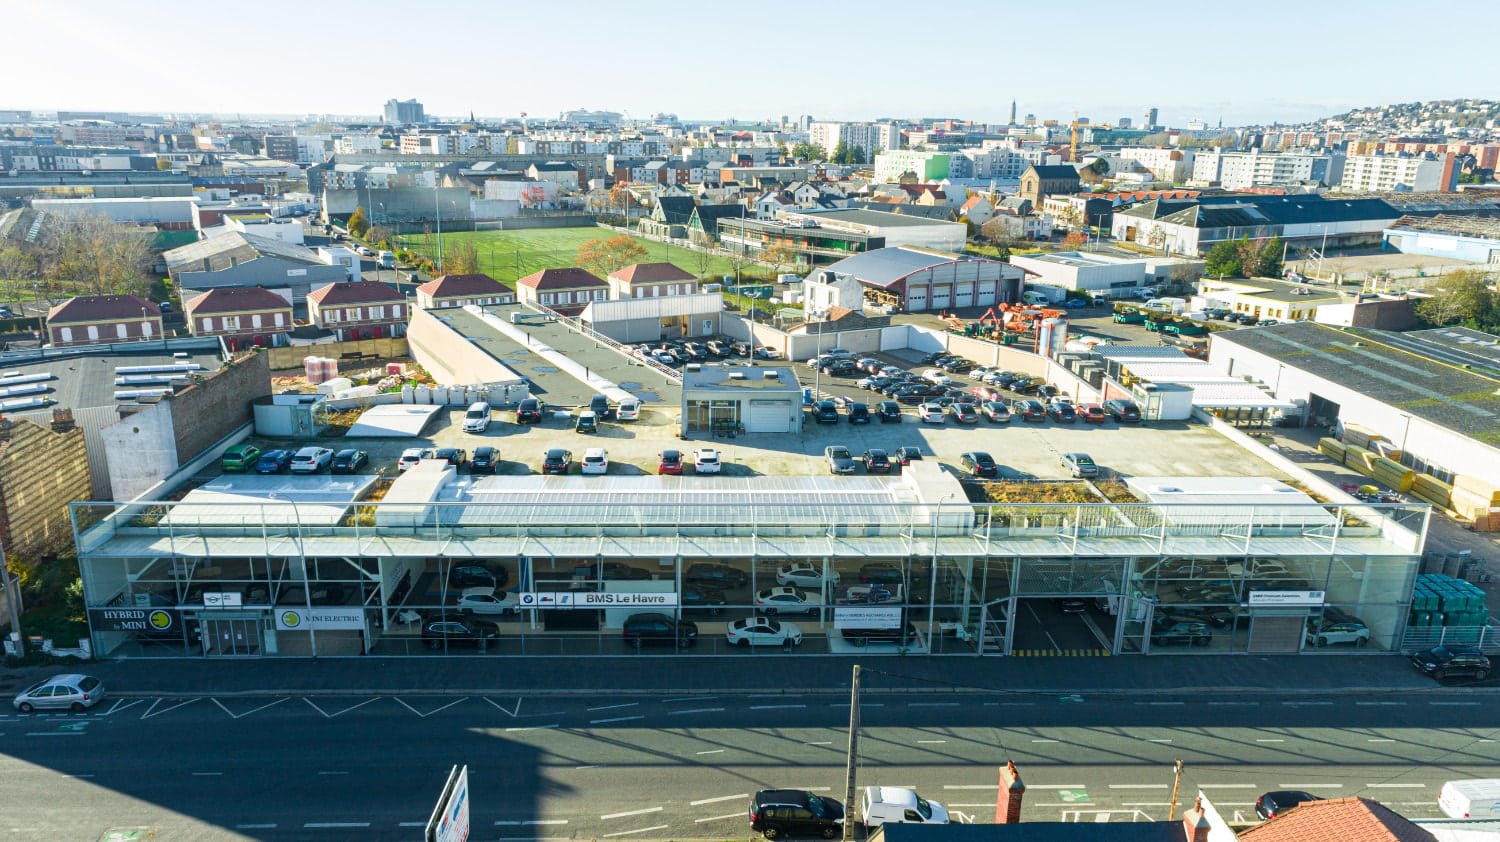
645	767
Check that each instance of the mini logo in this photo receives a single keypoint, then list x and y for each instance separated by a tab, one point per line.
291	619
160	620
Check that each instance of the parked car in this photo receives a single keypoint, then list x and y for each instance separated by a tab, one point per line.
654	629
1092	413
964	413
557	461
486	601
1165	630
587	422
707	600
1122	410
707	460
1441	662
882	573
804	575
475	576
931	412
669	463
595	461
69	690
763	631
1062	412
600	406
936	375
629	410
1334	630
996	411
529	411
839	460
410	457
467	631
241	457
784	599
477	418
720	576
777	813
484	461
1029	410
273	462
349	461
890	412
979	464
1080	465
876	461
907	455
826	412
859	413
1276	802
455	456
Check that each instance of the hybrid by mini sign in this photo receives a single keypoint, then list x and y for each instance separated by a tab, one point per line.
589	599
133	619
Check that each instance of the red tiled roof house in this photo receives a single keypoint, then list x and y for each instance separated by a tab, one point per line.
567	290
651	280
94	319
244	316
358	310
477	289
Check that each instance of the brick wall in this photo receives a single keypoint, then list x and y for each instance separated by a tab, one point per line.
41	472
211	408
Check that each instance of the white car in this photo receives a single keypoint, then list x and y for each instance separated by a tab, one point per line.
706	461
931	413
487	601
70	690
409	457
804	575
595	461
937	377
762	631
785	600
310	460
629	410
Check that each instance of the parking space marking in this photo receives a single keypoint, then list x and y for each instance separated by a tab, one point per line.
776	707
714	751
930	742
152	711
820	743
700	802
207	774
335	825
119	705
608	816
700	710
1379	740
1158	741
1044	741
631	832
325	713
1270	741
690	699
535	727
613	707
233	715
431	712
512	713
739	815
615	719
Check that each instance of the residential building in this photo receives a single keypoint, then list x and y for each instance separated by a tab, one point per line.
243	317
91	319
890	166
562	173
358	310
473	290
977	209
1402	172
651	280
1039	182
404	112
566	290
1255	168
1164	163
42	470
873	138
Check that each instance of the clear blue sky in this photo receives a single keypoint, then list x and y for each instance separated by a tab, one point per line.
833	59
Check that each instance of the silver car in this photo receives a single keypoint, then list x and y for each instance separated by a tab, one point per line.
70	690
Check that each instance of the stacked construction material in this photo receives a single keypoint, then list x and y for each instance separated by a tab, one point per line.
1361	460
1332	448
1439	600
1359	437
1474	497
1391	473
1432	490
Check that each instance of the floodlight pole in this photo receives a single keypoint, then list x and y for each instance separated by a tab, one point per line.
853	758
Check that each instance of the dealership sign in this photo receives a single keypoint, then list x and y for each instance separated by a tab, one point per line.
320	619
134	619
590	599
867	617
1267	598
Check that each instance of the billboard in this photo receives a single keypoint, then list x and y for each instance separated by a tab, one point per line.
449	821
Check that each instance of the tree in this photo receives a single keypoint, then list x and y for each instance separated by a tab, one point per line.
94	255
1223	259
1462	296
1269	263
780	256
857	155
1099	166
806	151
358	222
605	256
1075	240
462	258
16	268
841	153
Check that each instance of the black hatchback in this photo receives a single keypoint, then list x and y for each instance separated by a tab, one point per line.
659	629
1443	661
1276	802
775	813
890	412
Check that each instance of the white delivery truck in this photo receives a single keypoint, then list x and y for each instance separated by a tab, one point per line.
387	260
1474	798
899	805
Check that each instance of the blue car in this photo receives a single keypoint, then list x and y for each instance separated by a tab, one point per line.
273	462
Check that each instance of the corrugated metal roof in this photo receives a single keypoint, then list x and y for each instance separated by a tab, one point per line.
629	309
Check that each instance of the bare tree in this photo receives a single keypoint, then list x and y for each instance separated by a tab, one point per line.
94	255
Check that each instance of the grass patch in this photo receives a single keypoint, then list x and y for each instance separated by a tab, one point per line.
1030	492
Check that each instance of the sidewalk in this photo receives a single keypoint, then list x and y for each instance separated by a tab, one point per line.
773	672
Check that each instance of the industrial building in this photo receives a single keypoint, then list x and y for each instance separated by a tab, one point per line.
916	281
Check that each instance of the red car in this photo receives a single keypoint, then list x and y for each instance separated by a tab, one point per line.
1091	413
670	462
986	393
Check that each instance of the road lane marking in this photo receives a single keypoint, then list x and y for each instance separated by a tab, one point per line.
273	826
739	815
613	707
412	824
700	802
336	824
773	696
629	832
206	774
1377	740
820	743
1226	786
1044	741
711	751
776	707
232	715
1305	704
862	705
1059	786
1372	704
1456	704
690	699
1137	786
630	813
615	719
333	773
1161	704
1397	786
1234	704
1158	741
83	775
533	727
932	704
1310	786
699	710
930	742
1271	741
513	822
339	713
577	768
54	733
971	786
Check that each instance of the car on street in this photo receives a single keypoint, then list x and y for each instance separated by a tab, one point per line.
73	691
1029	410
996	411
669	463
977	463
1092	413
1080	465
1441	662
595	461
458	631
803	575
839	460
654	629
273	462
410	457
876	461
241	457
485	459
778	813
890	412
349	461
1123	411
557	461
784	599
707	460
1175	630
529	411
762	631
720	576
1276	802
931	413
964	413
487	601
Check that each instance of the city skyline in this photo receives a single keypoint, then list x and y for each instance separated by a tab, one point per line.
848	68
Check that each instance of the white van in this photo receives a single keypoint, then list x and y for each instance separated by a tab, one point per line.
477	419
1035	298
1475	798
898	805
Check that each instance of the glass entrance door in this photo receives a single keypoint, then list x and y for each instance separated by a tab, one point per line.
231	637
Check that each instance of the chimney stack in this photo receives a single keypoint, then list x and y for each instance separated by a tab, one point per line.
1008	800
1194	825
62	421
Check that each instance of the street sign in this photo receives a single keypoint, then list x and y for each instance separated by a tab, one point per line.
591	599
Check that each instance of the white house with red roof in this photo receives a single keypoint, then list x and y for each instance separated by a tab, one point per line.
567	290
651	280
475	289
95	319
358	310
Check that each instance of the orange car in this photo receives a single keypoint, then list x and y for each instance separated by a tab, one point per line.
1091	413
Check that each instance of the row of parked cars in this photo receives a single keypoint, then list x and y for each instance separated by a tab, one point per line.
674	353
243	458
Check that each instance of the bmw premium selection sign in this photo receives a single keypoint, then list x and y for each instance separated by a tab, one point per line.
867	617
1286	598
134	619
590	599
320	619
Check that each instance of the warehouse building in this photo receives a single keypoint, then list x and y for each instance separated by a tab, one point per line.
915	280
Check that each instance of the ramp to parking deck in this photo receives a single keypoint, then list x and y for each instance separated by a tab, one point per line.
396	420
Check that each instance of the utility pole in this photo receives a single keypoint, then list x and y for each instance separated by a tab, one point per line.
1176	783
853	756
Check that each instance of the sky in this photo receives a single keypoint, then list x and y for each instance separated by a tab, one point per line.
1271	61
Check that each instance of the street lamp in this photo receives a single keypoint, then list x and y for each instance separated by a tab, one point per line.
312	636
817	369
932	593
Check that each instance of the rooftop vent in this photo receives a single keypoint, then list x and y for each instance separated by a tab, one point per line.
772	375
736	375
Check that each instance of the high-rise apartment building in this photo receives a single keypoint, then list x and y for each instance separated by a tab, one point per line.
406	111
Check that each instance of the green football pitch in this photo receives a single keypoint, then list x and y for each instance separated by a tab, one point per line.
508	255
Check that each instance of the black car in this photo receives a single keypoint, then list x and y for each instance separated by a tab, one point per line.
1062	412
611	570
476	576
556	461
1443	661
718	575
957	365
659	630
826	412
1046	391
599	405
529	411
1165	630
890	412
465	631
484	461
695	598
775	813
1029	410
1276	802
1122	410
859	413
840	367
907	455
979	464
876	461
349	461
455	456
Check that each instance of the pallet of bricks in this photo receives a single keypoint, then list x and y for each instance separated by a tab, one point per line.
1477	500
1439	600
